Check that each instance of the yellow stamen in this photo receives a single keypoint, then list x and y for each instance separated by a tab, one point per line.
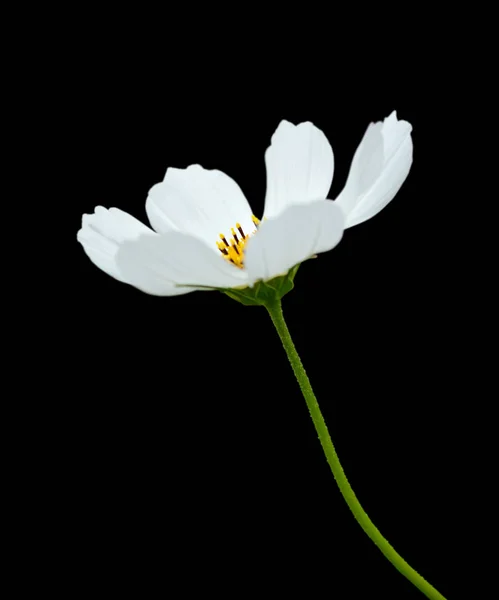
233	250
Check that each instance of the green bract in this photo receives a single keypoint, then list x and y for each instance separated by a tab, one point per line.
264	293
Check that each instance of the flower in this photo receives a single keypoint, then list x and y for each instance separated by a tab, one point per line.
205	236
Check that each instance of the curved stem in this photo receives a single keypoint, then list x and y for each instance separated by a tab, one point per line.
359	513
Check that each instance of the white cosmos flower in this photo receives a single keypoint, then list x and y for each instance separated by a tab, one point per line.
205	234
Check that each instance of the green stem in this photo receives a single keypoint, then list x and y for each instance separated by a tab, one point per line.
275	311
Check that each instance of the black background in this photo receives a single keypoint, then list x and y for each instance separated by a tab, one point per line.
192	459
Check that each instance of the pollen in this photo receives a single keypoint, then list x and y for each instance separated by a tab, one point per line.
232	247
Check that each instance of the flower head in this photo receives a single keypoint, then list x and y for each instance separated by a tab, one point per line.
205	236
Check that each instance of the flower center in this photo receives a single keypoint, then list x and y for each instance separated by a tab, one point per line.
233	248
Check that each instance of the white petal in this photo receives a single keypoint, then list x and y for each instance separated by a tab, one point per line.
104	231
295	235
379	168
300	166
199	202
158	264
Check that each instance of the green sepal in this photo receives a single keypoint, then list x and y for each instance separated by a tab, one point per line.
264	293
